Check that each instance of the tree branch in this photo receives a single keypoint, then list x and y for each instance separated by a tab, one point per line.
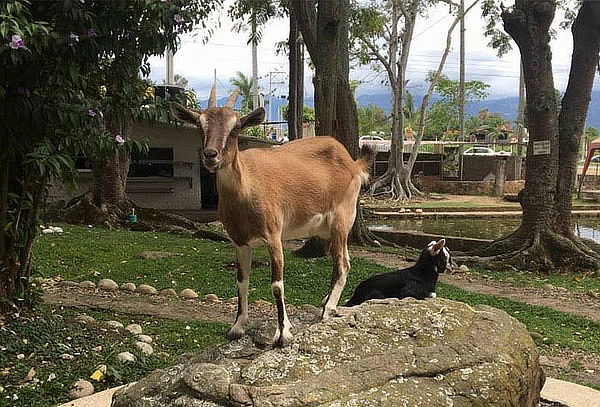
306	16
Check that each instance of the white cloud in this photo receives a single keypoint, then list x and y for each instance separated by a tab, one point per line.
227	52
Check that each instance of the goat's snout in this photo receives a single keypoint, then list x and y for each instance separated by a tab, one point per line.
210	153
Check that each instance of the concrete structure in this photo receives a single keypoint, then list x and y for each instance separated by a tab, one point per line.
171	177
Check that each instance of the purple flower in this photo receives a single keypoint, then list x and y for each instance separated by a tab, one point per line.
23	91
74	37
178	19
91	33
16	42
91	113
120	140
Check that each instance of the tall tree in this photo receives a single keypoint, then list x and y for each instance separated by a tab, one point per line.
50	112
383	33
325	30
544	240
296	78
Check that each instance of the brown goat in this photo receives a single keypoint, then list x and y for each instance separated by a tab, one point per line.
304	188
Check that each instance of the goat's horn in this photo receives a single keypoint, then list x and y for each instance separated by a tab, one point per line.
212	100
232	98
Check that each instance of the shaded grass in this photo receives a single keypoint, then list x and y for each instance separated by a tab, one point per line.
46	333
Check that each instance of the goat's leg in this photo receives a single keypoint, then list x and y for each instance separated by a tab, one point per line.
341	267
282	334
244	260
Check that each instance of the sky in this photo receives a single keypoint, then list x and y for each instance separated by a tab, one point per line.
227	52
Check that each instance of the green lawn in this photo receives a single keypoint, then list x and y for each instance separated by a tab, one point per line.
84	253
41	336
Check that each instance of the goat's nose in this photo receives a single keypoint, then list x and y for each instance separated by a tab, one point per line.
210	153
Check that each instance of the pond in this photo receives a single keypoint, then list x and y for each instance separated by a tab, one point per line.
483	228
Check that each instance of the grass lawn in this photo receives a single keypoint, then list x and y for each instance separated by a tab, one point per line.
38	339
81	253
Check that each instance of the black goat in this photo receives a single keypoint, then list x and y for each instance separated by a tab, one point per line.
418	281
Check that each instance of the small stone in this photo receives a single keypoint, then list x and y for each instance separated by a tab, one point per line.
188	294
47	231
463	268
232	300
128	287
145	338
51	377
81	388
107	284
548	287
56	229
134	329
114	324
420	211
30	375
66	356
144	347
97	348
20	356
211	297
85	319
87	284
146	289
126	357
168	292
67	283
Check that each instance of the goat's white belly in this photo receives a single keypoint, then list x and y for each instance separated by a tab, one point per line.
318	225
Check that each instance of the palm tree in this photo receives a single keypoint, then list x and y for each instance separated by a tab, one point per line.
244	84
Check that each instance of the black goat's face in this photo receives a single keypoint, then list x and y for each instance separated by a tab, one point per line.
439	254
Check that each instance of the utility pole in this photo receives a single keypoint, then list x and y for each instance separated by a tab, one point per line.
170	75
272	81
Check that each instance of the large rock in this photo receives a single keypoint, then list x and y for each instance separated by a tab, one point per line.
383	353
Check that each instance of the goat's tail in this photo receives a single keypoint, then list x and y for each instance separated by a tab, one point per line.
365	160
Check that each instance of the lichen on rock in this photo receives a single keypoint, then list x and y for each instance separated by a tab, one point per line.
382	353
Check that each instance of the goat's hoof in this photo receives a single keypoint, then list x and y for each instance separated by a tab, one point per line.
282	341
328	313
235	333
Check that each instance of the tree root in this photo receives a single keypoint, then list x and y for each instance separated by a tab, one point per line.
82	210
541	251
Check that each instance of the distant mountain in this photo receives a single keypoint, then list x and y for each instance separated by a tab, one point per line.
507	106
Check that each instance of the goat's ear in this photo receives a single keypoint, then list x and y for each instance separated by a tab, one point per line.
184	114
253	118
439	245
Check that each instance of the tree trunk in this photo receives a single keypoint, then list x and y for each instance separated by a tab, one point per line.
293	44
574	107
541	243
325	61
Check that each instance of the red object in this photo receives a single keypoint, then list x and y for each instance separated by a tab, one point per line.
592	148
